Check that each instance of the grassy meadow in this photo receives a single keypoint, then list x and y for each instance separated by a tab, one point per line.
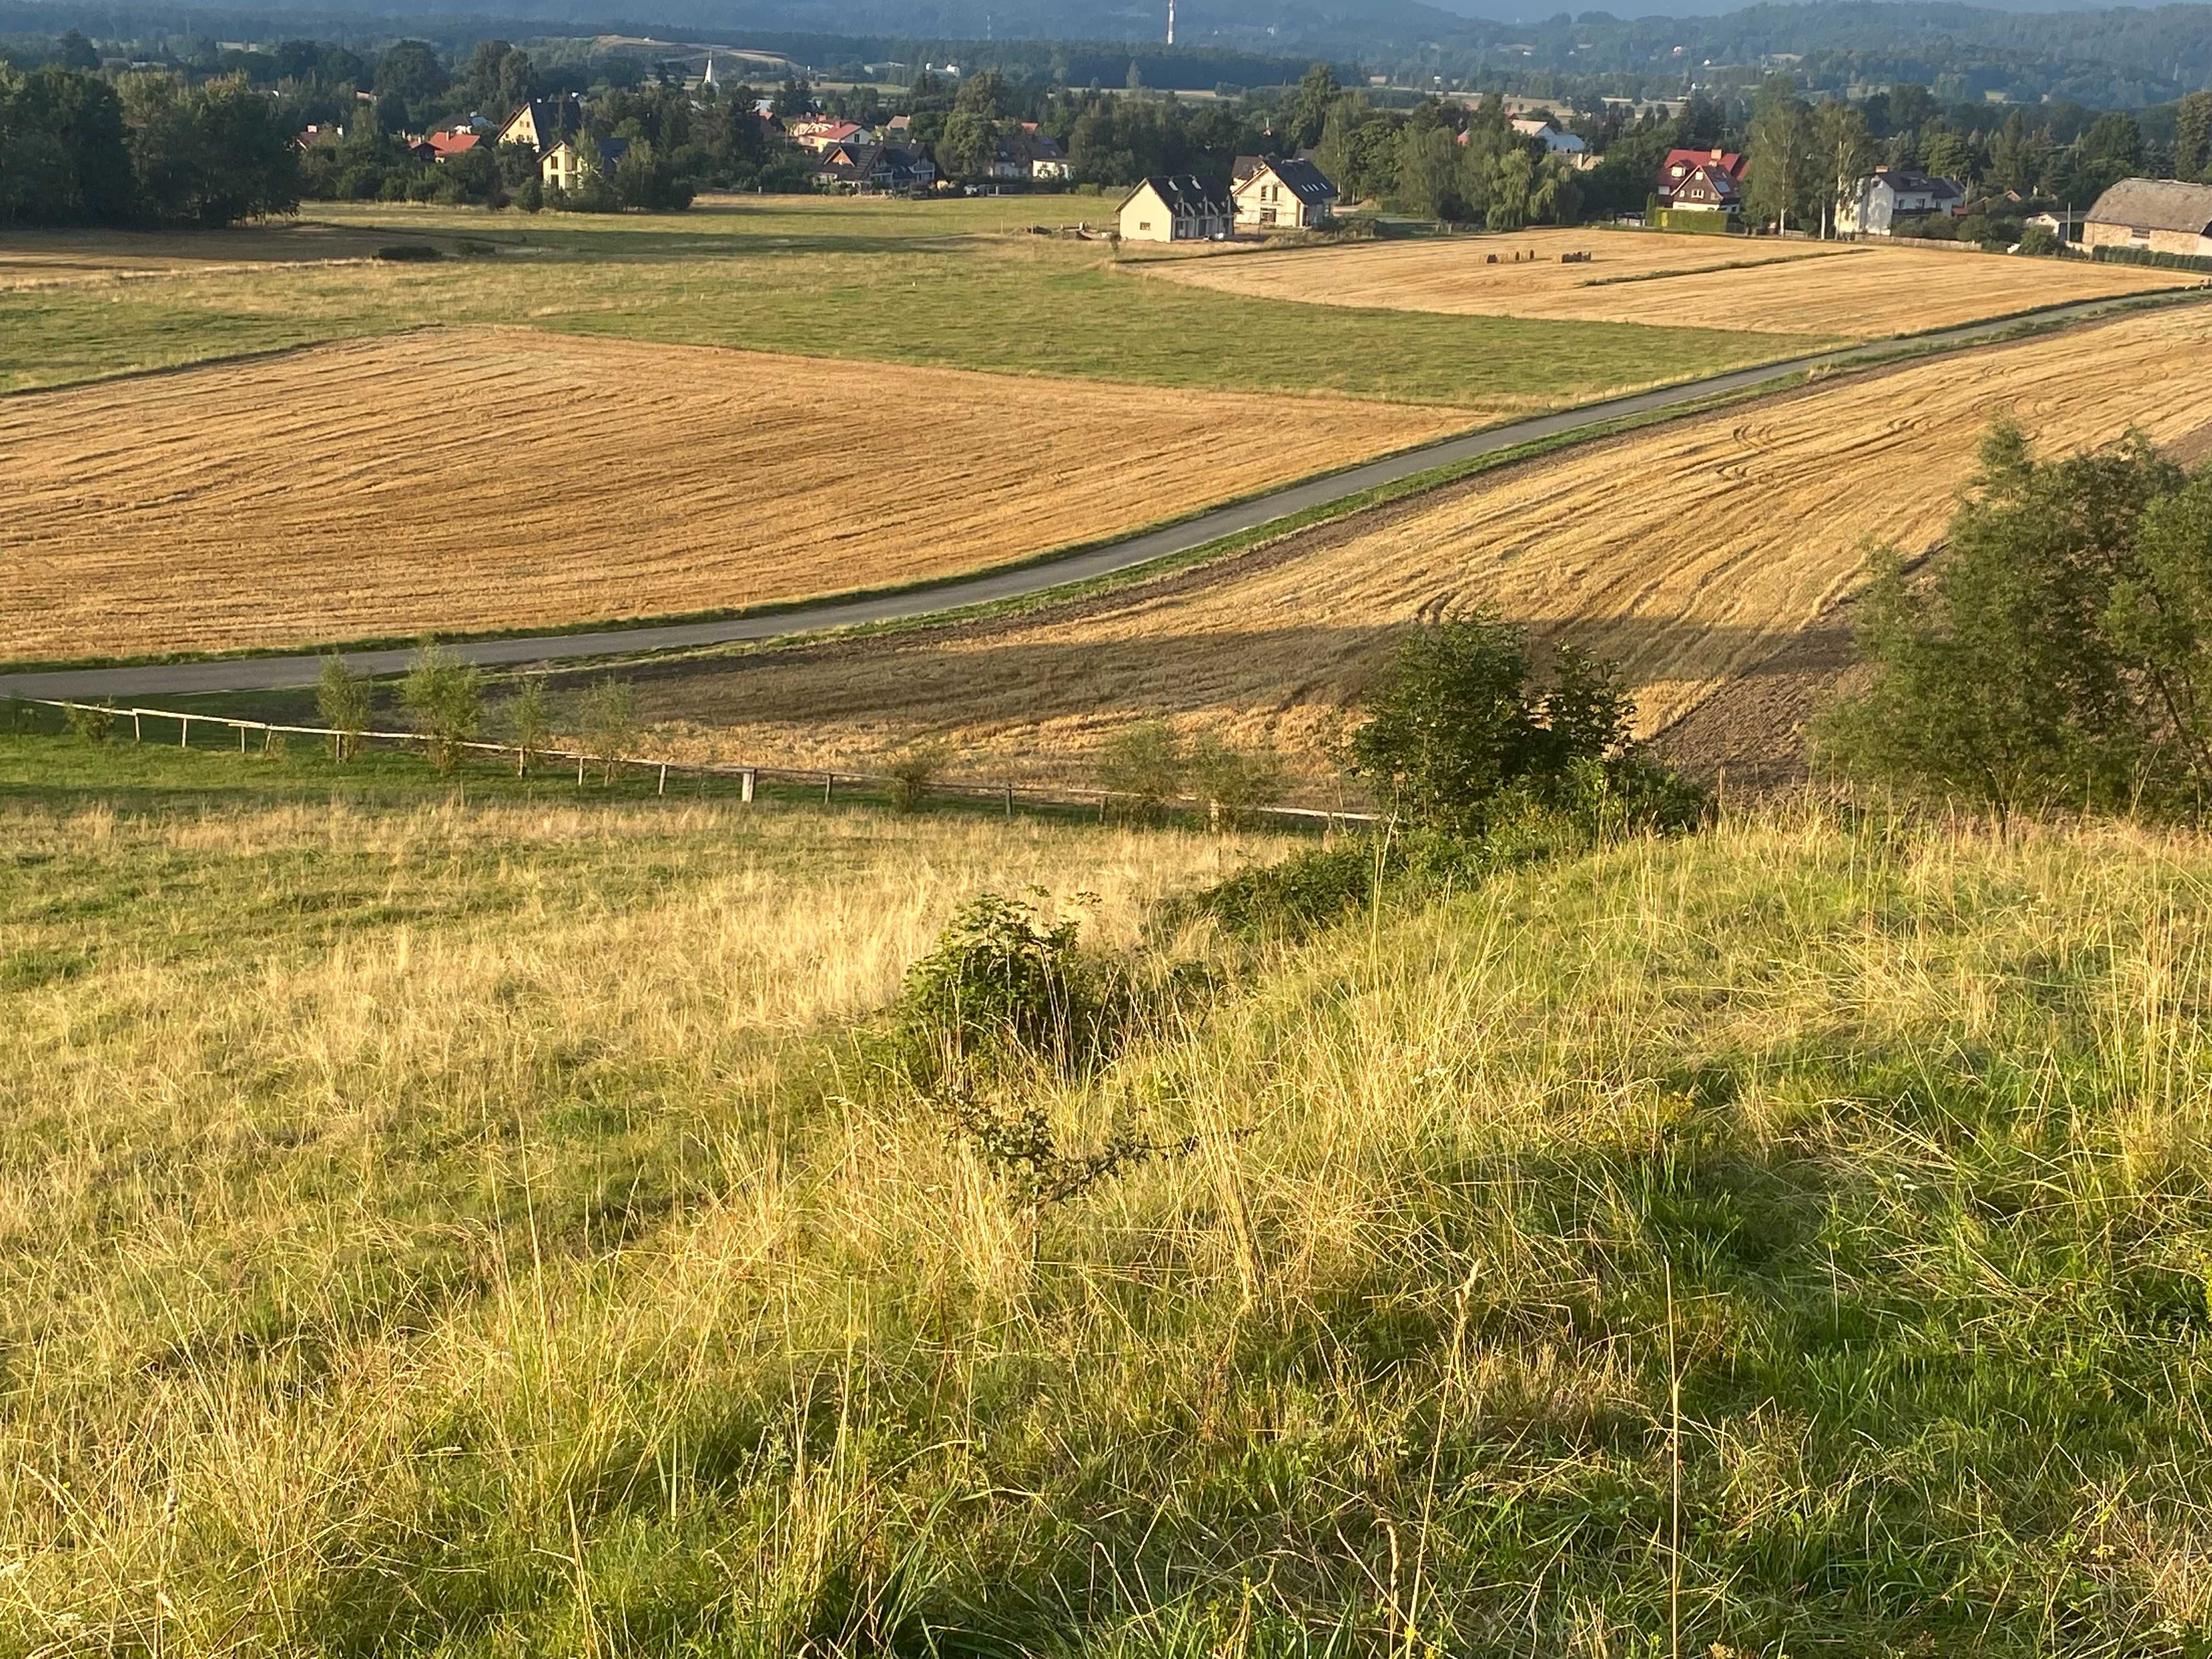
952	284
473	1229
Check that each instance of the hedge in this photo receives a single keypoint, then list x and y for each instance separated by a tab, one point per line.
2150	256
1701	221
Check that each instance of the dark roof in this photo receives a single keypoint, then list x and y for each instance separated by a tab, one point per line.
1715	177
1246	166
555	118
1305	180
2156	205
1185	195
1910	181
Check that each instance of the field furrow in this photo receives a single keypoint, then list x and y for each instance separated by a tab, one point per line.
480	480
1859	291
1692	553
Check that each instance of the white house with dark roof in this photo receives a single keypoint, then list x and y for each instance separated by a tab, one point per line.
1174	210
1888	196
1284	194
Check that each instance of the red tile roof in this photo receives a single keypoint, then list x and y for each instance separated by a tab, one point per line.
452	143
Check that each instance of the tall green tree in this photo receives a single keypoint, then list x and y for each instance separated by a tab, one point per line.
1309	107
1845	149
1782	182
2193	138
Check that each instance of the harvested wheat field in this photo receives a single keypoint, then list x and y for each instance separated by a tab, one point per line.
43	259
1693	553
1857	292
487	479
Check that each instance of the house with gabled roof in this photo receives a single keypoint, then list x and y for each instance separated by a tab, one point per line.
1707	189
544	122
2164	216
1284	193
571	161
1890	197
1709	172
1174	209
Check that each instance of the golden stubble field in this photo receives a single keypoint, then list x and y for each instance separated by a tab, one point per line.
1692	553
474	480
1857	292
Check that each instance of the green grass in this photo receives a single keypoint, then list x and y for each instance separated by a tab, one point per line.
472	1230
914	284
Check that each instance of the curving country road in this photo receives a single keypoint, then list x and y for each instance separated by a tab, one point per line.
269	673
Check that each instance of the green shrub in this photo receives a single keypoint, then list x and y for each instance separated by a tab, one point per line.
606	725
1694	221
2040	242
1004	982
1142	768
2145	256
343	700
2061	654
1233	782
528	721
913	769
1459	736
93	722
444	695
1288	901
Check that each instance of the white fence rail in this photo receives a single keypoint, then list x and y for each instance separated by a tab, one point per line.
748	778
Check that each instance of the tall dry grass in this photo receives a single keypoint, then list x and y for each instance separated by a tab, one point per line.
512	1273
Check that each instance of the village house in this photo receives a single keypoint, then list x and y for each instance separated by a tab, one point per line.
317	133
872	169
1031	155
569	163
443	146
1890	197
1565	145
1284	194
1174	210
2163	215
1706	180
819	136
544	122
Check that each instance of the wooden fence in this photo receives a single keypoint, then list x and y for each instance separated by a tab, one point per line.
748	778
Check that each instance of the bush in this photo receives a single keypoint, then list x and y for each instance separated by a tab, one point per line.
606	725
528	720
2145	256
1233	782
343	699
2061	654
2041	242
913	769
1458	737
93	722
445	698
1003	981
409	253
1142	768
1291	899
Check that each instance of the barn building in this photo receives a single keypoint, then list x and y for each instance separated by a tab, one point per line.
2162	215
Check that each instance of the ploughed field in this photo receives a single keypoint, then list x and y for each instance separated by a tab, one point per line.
1693	553
1856	291
479	480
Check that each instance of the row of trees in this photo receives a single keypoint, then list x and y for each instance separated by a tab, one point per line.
78	149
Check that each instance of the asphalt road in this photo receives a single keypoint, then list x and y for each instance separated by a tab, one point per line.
266	673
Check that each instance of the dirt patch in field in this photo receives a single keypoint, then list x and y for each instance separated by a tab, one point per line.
480	480
1694	554
1854	291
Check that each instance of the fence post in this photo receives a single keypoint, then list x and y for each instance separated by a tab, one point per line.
1009	800
184	731
746	785
580	771
829	788
138	731
663	780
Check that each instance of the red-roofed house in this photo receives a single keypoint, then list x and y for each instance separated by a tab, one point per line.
819	136
443	146
1707	173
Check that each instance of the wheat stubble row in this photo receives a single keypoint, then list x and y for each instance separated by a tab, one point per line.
486	479
1854	292
1692	553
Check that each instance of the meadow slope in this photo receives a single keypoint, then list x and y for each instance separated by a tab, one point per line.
469	480
470	1230
1859	292
1691	553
